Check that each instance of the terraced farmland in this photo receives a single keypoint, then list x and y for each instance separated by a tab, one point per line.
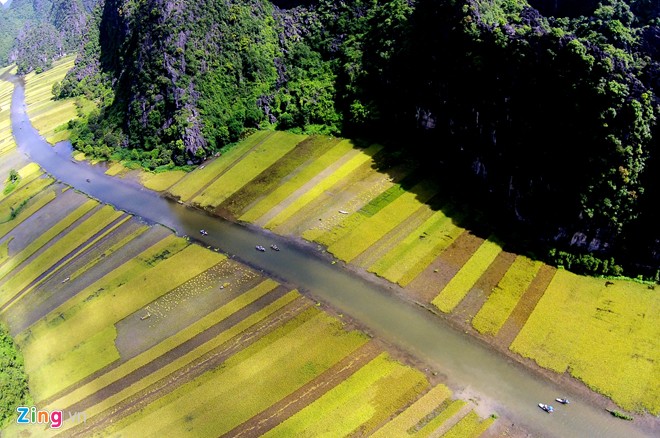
137	330
388	220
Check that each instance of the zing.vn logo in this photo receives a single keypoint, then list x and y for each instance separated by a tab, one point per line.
33	416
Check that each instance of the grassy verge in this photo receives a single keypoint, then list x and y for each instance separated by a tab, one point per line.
467	276
452	408
607	335
501	302
470	426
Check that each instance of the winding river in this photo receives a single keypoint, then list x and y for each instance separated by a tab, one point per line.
470	366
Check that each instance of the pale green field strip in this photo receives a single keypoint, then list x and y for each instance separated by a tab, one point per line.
504	298
22	195
39	266
370	231
467	276
111	306
39	201
28	174
249	381
414	414
470	426
111	250
46	237
323	185
115	169
179	338
161	181
609	337
66	244
288	187
357	405
66	369
167	247
100	315
413	254
171	367
198	178
46	113
245	170
431	426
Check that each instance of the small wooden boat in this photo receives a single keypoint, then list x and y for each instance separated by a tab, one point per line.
203	232
547	408
563	401
260	248
274	247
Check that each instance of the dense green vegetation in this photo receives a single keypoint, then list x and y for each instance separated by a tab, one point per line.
551	116
13	381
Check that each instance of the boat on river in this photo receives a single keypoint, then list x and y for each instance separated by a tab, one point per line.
260	248
563	401
549	409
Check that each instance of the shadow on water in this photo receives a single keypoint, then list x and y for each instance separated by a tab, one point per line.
470	366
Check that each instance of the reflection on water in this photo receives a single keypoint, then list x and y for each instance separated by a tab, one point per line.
470	367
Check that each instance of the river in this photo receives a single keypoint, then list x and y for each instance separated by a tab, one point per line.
470	366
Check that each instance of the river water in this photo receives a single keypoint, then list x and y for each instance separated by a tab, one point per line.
471	367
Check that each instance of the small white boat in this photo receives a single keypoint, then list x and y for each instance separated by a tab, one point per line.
546	408
563	401
274	247
260	248
203	232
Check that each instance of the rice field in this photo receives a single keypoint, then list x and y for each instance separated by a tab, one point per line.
50	116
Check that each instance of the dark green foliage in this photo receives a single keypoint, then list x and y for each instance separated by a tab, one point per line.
13	380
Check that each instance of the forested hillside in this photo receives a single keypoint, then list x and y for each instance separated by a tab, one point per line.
35	32
544	112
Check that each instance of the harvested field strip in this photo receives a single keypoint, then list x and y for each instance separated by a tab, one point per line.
504	298
52	255
286	188
111	250
360	403
467	276
167	345
307	394
353	221
43	273
109	306
34	205
525	306
153	385
158	252
46	237
106	309
414	414
470	426
249	167
368	232
439	417
199	178
410	257
290	166
609	337
326	183
263	373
